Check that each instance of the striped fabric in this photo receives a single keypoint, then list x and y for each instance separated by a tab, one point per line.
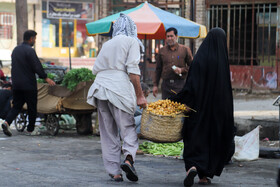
124	25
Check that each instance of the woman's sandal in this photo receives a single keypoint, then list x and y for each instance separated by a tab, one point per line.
118	179
189	180
207	182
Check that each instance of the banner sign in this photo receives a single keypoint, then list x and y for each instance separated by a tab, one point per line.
70	10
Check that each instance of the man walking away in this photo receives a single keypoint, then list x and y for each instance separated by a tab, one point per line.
25	64
116	91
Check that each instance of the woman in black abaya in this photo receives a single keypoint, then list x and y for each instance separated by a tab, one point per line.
208	132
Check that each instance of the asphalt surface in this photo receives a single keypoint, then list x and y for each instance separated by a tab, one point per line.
72	160
69	159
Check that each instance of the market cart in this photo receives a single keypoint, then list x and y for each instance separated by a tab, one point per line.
53	101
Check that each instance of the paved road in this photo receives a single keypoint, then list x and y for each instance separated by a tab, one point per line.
72	160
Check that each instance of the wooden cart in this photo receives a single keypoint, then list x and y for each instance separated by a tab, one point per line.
53	101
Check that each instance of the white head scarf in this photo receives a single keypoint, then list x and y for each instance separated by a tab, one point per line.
125	25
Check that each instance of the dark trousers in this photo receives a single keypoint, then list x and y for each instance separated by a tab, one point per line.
19	98
171	87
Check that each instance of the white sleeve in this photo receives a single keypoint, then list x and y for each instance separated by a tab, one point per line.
133	58
97	65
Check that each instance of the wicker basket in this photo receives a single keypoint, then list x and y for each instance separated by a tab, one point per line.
164	129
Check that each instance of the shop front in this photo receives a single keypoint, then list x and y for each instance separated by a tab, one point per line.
63	29
252	29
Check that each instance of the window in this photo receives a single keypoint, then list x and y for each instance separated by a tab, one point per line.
251	32
50	33
68	33
6	25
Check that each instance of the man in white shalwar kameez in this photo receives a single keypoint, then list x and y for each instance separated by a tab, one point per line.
115	92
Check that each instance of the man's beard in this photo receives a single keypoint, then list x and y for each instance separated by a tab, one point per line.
171	43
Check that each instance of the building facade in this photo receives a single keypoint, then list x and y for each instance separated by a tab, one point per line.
63	28
60	25
8	32
252	28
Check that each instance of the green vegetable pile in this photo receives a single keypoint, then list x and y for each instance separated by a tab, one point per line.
167	149
52	76
74	76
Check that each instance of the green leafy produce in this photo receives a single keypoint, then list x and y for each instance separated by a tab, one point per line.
167	149
44	66
40	80
50	75
74	76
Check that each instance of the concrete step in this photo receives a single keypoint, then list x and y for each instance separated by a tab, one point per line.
269	127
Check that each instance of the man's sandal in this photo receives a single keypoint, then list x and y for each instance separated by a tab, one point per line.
118	179
129	170
6	129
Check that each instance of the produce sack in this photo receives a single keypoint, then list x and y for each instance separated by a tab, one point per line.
46	103
77	99
247	146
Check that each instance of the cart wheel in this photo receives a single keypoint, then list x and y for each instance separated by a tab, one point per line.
52	124
20	122
83	124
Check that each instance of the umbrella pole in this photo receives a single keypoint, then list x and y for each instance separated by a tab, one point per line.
69	46
144	60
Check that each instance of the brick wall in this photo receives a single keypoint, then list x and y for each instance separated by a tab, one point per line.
187	9
187	16
200	17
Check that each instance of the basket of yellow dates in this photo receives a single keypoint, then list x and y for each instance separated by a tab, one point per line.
162	121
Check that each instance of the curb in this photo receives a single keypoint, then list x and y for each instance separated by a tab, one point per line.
269	152
269	127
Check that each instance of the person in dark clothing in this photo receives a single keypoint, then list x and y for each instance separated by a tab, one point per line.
208	132
2	75
232	148
6	96
25	64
